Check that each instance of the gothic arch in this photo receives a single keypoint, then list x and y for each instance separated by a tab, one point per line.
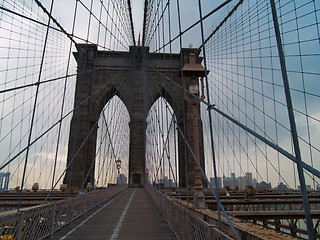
129	75
165	93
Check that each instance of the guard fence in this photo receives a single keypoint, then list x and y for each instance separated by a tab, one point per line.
184	223
42	221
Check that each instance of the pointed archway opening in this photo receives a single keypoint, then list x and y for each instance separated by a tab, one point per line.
162	162
113	140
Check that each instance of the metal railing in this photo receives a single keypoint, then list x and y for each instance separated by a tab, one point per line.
183	223
42	221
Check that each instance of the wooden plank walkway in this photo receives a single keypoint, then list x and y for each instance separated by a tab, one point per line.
130	215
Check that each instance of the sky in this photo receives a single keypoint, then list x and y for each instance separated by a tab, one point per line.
245	77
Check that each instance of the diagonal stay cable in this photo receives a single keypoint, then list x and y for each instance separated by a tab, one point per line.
34	107
82	144
260	137
59	30
38	22
208	182
194	24
97	19
271	144
38	83
158	23
109	135
112	147
218	27
211	187
56	22
49	129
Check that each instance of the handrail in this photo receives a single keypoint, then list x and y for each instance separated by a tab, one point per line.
42	221
183	223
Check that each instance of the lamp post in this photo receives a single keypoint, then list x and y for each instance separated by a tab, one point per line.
193	74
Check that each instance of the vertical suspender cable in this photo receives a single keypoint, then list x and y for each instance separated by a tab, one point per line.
144	22
131	23
35	106
292	122
210	117
63	100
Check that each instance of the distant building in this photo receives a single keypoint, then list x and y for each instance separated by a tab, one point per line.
233	176
282	186
249	178
242	183
219	182
231	181
263	186
122	179
254	182
245	181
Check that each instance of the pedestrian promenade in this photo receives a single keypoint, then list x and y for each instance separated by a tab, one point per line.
130	215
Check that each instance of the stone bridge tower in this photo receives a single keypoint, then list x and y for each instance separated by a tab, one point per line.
104	74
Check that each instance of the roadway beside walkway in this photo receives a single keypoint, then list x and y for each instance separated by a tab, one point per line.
130	215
